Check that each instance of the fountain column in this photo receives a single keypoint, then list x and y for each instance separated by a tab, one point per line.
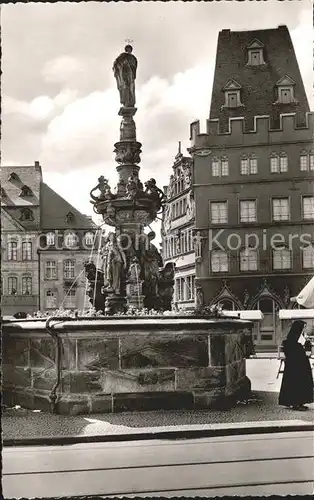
130	208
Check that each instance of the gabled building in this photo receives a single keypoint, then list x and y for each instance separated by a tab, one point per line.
253	179
177	230
20	229
45	242
66	242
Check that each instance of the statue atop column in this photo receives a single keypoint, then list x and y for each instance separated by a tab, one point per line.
124	69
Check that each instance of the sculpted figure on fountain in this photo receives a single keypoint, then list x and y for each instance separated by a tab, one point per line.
151	261
124	68
134	187
114	262
105	191
154	192
134	272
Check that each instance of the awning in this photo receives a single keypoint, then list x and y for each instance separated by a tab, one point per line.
306	296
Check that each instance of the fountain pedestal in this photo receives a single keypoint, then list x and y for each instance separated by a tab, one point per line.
126	363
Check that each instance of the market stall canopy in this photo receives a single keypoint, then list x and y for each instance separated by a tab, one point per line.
296	314
248	315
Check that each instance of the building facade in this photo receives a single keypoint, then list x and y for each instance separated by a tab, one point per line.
20	227
177	231
45	242
253	179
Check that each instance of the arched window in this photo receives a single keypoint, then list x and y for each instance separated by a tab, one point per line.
219	261
253	164
274	163
12	285
244	165
12	250
27	285
227	304
308	257
283	162
50	238
266	305
70	240
304	160
248	259
215	167
89	238
224	166
27	250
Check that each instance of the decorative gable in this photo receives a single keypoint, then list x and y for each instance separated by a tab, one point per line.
266	291
232	91
255	53
232	85
255	44
225	293
285	90
285	81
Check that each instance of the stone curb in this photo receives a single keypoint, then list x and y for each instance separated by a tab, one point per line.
179	432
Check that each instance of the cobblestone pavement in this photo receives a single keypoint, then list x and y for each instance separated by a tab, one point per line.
263	406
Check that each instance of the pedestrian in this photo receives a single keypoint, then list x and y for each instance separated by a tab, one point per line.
297	380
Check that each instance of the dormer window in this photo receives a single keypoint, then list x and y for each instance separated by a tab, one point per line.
70	240
26	191
69	217
50	239
255	51
285	91
232	91
26	214
89	238
13	177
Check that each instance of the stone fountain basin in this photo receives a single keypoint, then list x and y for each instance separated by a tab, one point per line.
114	364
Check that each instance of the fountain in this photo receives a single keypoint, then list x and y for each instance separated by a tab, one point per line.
130	260
116	362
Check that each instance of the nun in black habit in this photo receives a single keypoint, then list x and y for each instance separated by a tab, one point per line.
297	381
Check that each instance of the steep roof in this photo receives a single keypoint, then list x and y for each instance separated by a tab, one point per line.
54	210
9	223
14	178
258	83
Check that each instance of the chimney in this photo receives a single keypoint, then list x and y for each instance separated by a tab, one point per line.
38	168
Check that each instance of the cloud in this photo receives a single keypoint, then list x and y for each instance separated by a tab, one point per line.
59	96
302	37
86	130
62	69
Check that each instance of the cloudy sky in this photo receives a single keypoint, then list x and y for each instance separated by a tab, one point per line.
59	95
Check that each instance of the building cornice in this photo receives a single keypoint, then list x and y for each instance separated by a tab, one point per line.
255	180
262	274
